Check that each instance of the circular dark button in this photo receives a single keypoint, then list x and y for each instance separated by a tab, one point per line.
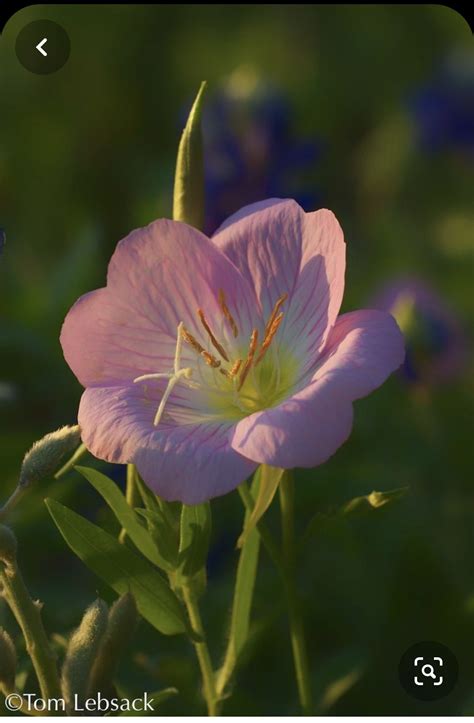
428	671
43	47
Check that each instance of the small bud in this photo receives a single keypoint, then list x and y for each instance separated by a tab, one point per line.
8	544
121	626
82	651
7	662
45	456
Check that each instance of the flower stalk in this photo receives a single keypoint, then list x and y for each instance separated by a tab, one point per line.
298	643
202	650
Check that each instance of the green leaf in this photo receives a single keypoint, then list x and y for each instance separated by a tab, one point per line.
270	478
163	536
195	536
155	699
188	198
121	568
243	596
129	520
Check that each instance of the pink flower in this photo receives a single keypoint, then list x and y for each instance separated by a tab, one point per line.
203	358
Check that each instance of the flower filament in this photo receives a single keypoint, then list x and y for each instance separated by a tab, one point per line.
241	368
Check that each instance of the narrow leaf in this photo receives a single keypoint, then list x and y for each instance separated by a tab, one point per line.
163	536
243	596
270	478
124	513
121	568
188	198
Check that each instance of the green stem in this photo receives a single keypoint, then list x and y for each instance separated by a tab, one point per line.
202	651
28	616
12	502
131	495
298	644
264	533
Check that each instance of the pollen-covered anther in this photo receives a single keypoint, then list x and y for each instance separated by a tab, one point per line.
213	339
269	337
249	359
227	313
210	359
189	339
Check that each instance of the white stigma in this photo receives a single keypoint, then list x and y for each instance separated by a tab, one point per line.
173	377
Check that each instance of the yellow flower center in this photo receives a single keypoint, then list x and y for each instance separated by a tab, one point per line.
251	376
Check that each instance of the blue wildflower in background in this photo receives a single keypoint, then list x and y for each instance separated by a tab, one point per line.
251	149
443	109
436	345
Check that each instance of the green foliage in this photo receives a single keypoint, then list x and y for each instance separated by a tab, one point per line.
121	568
124	513
188	196
270	478
243	596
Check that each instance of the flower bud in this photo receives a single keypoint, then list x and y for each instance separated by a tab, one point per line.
45	456
121	626
82	651
7	662
8	544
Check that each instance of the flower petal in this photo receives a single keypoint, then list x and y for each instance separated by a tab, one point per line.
363	349
188	462
158	276
280	249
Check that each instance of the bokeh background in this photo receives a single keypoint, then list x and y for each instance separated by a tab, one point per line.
366	110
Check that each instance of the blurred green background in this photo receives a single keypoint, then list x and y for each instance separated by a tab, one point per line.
87	154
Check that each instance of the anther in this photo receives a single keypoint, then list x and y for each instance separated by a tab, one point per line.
249	359
226	312
273	315
269	337
189	339
210	359
213	339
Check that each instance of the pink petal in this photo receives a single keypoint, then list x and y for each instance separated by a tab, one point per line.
280	249
363	349
191	463
158	276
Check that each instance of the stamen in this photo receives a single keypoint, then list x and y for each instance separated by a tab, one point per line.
235	368
226	312
189	338
275	311
269	337
210	359
249	359
213	339
232	373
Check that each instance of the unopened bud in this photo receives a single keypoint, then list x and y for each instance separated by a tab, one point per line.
82	651
46	454
121	626
8	544
7	662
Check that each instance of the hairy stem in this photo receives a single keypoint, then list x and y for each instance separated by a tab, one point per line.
28	615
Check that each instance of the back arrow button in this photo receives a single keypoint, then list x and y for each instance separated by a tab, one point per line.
40	48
